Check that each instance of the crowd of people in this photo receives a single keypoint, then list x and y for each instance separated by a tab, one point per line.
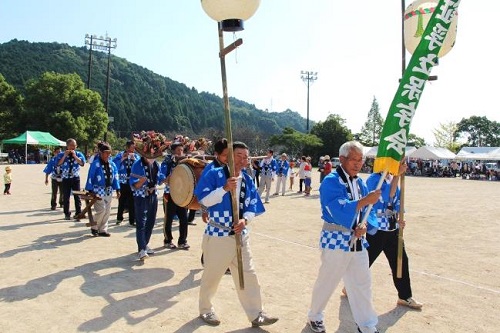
229	202
466	169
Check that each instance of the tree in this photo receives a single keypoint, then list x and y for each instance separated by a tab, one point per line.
479	132
10	108
415	141
445	136
333	132
60	104
294	142
371	130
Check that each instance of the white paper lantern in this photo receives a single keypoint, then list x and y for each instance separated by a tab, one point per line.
231	13
417	16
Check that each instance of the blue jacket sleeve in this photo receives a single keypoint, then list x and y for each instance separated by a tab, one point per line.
89	186
335	206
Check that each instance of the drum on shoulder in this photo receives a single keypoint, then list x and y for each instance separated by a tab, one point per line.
183	181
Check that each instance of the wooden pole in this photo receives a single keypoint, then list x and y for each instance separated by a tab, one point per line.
229	137
401	215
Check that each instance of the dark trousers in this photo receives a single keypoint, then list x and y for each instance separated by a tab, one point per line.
173	209
69	184
56	187
301	182
6	189
387	241
191	215
257	175
145	218
126	200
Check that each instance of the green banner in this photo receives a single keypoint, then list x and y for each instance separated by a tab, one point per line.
397	123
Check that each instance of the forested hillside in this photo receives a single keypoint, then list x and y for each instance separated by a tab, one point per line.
139	99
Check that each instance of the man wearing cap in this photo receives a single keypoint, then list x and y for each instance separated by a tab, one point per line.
124	161
102	180
282	173
267	170
327	166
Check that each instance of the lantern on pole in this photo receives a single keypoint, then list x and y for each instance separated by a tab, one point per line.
230	13
416	17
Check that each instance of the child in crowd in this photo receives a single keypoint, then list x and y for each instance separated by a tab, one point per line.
307	176
7	179
291	174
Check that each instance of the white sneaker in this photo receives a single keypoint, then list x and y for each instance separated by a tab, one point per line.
143	255
411	303
149	250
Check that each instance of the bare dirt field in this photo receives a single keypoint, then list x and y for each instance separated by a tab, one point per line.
55	277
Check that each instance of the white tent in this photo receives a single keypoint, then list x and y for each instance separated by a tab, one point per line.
372	152
479	153
432	153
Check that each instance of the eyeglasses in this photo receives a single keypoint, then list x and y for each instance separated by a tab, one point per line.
356	160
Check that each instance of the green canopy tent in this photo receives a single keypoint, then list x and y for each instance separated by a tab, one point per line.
34	138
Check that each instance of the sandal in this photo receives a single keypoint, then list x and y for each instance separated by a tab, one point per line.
170	246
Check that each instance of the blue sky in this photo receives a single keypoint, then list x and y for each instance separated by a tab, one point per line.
353	45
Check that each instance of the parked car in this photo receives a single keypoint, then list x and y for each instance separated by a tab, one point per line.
335	162
492	166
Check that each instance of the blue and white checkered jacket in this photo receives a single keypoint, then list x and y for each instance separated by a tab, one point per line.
138	169
52	169
221	213
96	179
380	207
122	165
75	170
337	208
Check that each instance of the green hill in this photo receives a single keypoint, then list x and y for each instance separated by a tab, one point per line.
140	99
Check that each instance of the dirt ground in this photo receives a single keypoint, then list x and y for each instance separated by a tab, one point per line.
54	277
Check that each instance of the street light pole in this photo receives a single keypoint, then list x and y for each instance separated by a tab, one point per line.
89	41
308	77
104	44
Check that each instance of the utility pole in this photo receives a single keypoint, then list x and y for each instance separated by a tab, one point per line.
103	44
308	78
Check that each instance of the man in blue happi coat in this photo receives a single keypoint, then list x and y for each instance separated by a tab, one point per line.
219	244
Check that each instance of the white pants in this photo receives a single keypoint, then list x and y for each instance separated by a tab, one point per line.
265	182
219	253
354	269
281	181
102	210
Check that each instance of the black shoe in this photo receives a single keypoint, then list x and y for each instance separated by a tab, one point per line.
317	326
53	208
359	330
94	232
104	234
263	320
132	224
191	223
67	217
118	222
